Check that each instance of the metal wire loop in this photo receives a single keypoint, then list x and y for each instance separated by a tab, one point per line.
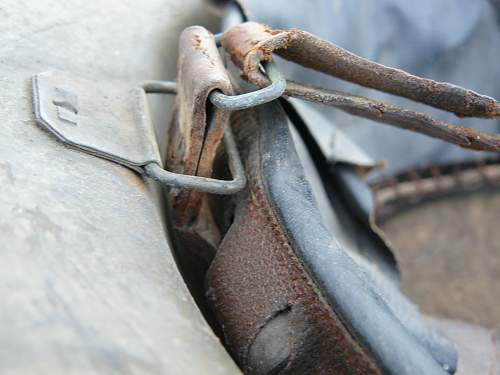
254	98
204	184
234	102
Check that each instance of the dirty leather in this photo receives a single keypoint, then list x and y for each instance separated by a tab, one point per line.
455	49
446	40
195	133
278	260
250	43
290	297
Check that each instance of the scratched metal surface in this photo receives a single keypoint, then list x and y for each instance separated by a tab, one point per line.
87	280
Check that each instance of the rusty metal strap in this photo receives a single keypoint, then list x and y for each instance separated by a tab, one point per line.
249	44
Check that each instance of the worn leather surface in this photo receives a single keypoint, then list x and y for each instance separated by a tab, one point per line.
257	286
293	265
198	127
328	264
445	40
250	43
436	43
195	134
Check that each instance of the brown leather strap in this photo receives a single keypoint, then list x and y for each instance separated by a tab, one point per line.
251	43
196	133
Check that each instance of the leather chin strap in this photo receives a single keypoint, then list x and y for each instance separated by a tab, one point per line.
251	43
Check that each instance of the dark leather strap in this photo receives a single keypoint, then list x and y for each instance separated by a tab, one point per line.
251	43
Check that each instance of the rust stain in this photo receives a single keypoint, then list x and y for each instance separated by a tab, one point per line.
197	41
134	178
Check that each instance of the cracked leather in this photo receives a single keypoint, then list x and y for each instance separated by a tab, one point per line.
196	131
279	261
292	293
460	47
195	134
250	43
